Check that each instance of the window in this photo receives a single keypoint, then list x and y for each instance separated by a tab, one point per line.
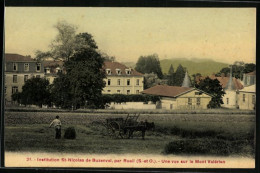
38	76
109	82
118	91
198	93
253	99
26	67
227	101
128	81
137	82
128	92
25	78
38	67
137	91
198	101
171	106
108	91
15	66
189	101
128	71
58	70
14	78
244	97
47	70
118	81
118	71
108	71
14	89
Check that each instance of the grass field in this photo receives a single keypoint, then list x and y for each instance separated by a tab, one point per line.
174	133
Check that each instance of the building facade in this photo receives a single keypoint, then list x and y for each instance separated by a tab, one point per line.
51	70
246	98
174	97
249	78
18	69
121	79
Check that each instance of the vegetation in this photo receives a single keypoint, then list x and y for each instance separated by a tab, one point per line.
203	66
238	69
82	83
35	91
201	133
149	64
214	88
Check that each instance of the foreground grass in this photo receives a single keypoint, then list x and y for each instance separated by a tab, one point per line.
28	131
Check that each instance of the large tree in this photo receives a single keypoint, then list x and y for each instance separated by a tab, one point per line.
82	82
214	88
149	64
34	92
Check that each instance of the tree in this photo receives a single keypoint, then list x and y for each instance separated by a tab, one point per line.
214	88
171	76
67	43
85	75
179	75
35	92
149	64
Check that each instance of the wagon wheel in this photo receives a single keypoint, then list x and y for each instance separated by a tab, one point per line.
124	133
113	129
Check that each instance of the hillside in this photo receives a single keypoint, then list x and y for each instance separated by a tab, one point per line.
203	66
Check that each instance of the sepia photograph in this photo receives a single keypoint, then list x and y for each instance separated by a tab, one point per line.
110	87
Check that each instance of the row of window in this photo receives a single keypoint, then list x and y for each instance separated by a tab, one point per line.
26	77
118	71
253	98
27	67
127	91
197	101
128	82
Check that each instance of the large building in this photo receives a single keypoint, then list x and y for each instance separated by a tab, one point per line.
249	78
175	97
121	79
18	69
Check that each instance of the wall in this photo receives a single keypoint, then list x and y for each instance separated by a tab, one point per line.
246	104
181	102
132	105
232	100
123	87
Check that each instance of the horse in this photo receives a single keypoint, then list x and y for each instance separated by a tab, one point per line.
142	126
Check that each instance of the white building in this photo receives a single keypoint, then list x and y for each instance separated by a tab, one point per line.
121	79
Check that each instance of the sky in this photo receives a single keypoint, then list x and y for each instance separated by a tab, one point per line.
221	34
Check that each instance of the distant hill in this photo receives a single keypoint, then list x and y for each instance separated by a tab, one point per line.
195	65
202	66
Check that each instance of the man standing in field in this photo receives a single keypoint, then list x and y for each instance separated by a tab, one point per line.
57	125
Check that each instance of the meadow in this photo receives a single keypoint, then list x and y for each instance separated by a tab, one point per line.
200	133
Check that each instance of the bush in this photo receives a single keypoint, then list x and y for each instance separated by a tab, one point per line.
70	133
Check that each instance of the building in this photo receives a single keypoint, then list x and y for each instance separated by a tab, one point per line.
230	86
249	78
121	79
175	97
51	69
18	69
246	98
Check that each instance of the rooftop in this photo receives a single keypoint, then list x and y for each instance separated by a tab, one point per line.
113	66
165	90
11	57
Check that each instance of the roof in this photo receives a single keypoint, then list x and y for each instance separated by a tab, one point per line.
52	63
116	65
250	88
253	73
10	57
224	81
168	91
